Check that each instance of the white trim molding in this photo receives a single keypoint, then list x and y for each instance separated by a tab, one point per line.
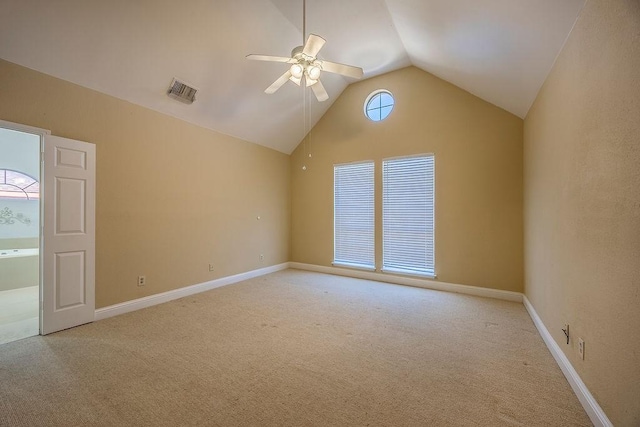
411	281
24	128
137	304
594	411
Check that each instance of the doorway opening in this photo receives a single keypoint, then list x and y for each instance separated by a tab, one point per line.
20	213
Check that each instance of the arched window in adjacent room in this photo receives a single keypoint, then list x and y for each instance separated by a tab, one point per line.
18	185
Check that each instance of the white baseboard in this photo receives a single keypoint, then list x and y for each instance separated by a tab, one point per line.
137	304
411	281
594	411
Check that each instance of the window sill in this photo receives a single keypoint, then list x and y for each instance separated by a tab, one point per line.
408	273
353	266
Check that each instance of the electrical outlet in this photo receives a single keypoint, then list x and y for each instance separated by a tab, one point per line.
261	257
142	280
581	348
211	267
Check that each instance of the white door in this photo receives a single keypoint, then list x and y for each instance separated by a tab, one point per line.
68	253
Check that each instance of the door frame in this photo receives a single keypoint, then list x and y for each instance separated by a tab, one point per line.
41	134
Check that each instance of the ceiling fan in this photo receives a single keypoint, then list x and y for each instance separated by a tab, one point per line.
306	65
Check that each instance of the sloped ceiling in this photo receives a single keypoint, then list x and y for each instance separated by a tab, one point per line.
499	50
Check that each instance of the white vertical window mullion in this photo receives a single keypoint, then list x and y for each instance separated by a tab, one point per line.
408	197
354	215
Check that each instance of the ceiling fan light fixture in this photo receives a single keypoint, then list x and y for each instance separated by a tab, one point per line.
296	71
310	82
313	72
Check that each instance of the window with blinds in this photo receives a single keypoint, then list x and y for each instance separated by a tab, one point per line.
354	215
408	198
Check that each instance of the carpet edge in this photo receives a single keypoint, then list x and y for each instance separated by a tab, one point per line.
589	403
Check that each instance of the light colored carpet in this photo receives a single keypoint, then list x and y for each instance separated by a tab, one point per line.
297	349
19	313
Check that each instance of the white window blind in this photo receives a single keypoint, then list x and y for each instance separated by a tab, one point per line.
408	215
354	215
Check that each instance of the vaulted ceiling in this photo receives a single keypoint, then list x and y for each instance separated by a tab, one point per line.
499	50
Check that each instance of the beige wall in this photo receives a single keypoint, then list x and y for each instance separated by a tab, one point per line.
478	150
171	197
582	203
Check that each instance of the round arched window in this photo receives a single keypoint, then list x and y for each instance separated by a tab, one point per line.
378	105
17	185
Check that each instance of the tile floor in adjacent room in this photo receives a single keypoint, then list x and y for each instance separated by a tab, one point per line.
19	313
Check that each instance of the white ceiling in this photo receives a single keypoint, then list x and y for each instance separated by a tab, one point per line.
499	50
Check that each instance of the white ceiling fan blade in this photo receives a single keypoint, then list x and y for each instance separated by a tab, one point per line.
313	45
345	70
319	91
278	83
270	58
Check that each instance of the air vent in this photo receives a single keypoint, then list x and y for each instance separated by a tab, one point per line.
182	91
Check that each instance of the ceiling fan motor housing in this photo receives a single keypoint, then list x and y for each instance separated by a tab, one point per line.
305	64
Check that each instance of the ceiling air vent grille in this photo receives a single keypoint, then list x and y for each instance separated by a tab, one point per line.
182	91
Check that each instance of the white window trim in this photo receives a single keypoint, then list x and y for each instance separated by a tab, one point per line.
353	266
